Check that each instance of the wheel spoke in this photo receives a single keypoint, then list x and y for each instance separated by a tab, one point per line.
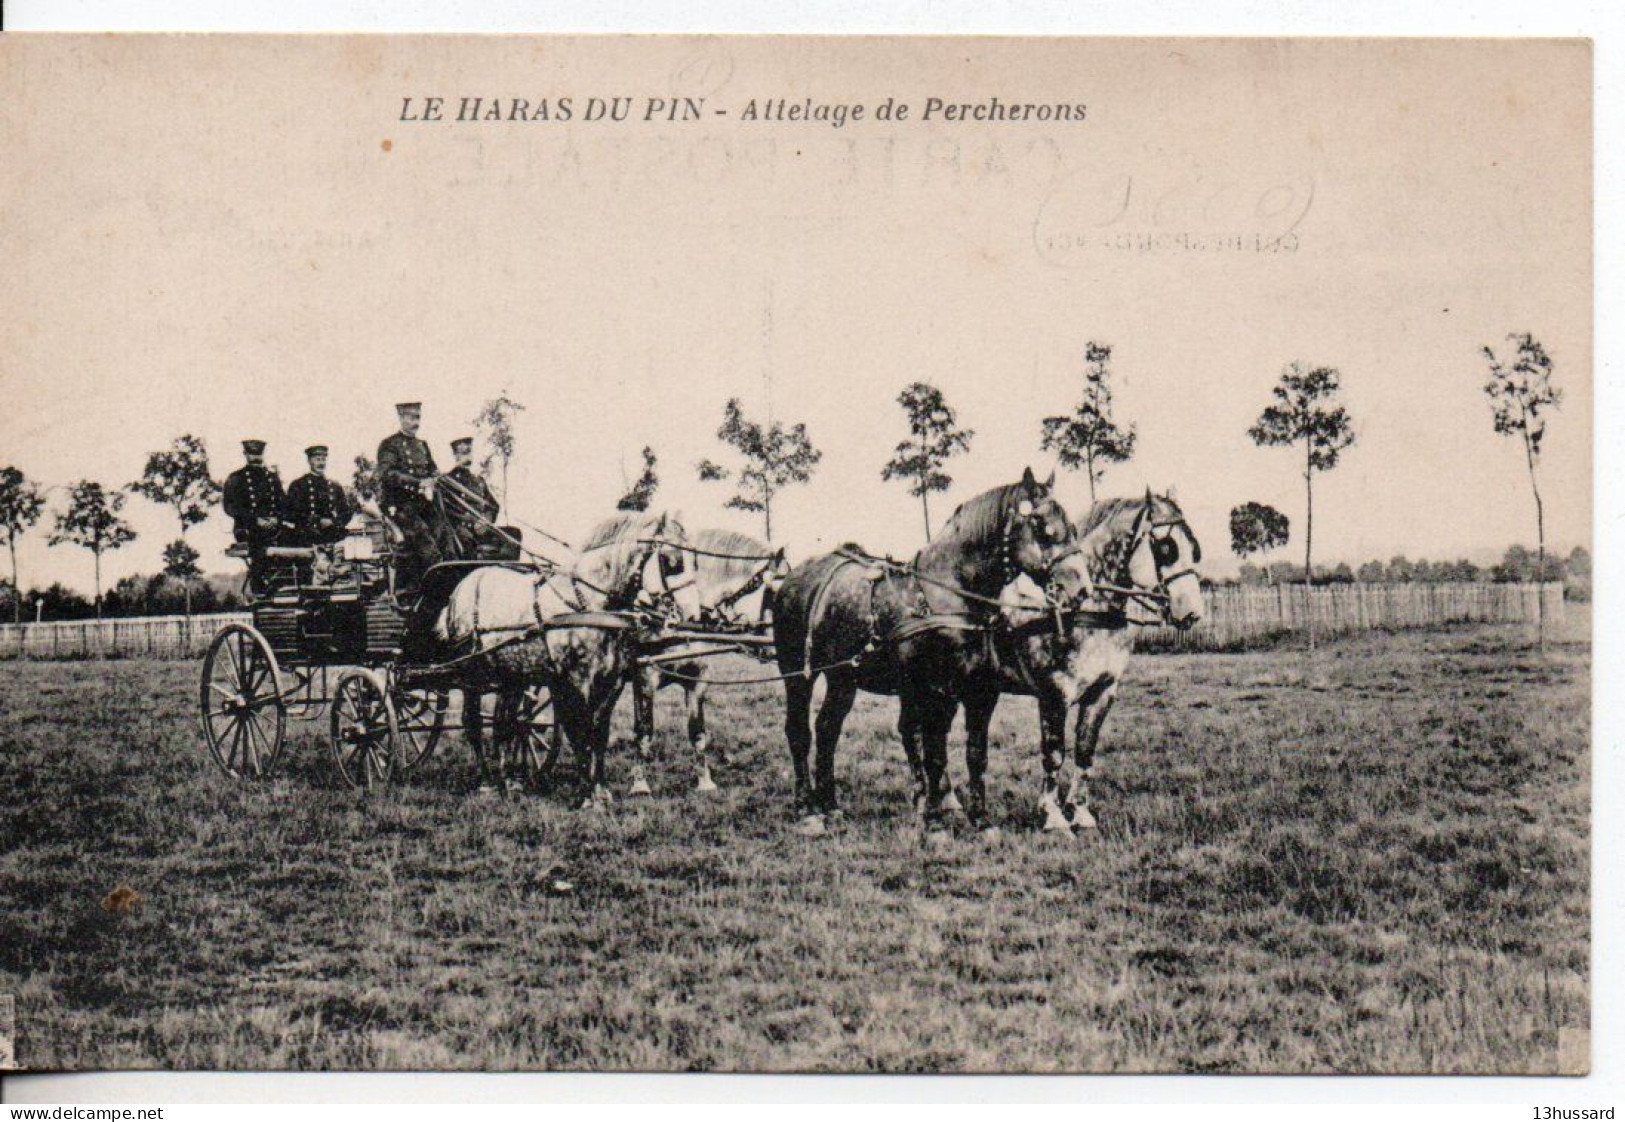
260	670
227	666
236	744
264	739
251	754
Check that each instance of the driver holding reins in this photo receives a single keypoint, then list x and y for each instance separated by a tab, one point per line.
407	477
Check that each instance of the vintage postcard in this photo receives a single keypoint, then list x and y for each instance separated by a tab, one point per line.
754	554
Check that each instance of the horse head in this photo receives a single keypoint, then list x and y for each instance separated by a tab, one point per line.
666	577
1036	530
1143	553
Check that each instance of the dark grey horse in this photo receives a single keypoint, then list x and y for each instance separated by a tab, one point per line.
921	631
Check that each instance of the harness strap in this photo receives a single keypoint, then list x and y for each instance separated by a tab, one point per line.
818	603
936	621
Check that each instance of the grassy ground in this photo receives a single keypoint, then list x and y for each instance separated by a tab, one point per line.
1368	858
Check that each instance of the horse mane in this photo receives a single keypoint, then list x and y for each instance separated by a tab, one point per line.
729	541
1106	510
977	519
618	530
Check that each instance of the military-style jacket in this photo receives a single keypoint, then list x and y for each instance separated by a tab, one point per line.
252	492
479	496
311	499
403	461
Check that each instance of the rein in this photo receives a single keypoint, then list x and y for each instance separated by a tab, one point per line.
777	555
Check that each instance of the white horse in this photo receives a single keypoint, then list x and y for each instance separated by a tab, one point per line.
571	631
735	576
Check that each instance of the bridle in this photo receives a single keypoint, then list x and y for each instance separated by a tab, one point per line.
675	575
1164	552
771	567
771	563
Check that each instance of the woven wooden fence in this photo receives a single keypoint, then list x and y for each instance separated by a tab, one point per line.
1235	617
133	637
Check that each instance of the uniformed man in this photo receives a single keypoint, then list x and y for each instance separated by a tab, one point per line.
406	486
253	501
316	511
470	505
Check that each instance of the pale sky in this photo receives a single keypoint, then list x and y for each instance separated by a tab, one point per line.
210	236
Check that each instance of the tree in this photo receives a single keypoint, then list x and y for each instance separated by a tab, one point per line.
179	478
92	522
495	423
933	438
1521	393
1257	528
21	503
774	457
1089	437
180	565
364	481
1304	411
1371	572
641	493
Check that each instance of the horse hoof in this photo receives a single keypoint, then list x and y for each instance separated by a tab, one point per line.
1055	824
837	817
485	791
951	804
812	826
705	786
1082	820
937	837
992	834
640	787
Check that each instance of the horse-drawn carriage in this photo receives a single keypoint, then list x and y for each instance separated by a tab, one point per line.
329	634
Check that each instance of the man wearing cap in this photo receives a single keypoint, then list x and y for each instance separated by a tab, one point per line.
316	511
406	483
470	506
253	501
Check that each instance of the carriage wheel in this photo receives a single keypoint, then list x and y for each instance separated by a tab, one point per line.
364	729
420	718
534	752
244	717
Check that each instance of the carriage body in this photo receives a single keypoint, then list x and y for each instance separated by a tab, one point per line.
329	637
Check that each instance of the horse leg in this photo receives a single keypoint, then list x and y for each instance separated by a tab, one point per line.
936	719
1051	744
908	731
798	693
505	734
978	717
1091	716
842	692
694	700
474	730
645	684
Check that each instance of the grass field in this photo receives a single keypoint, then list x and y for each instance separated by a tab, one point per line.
1372	857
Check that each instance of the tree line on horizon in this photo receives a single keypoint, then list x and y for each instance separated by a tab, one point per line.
1305	414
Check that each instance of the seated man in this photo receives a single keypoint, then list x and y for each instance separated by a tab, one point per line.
316	510
253	500
471	508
